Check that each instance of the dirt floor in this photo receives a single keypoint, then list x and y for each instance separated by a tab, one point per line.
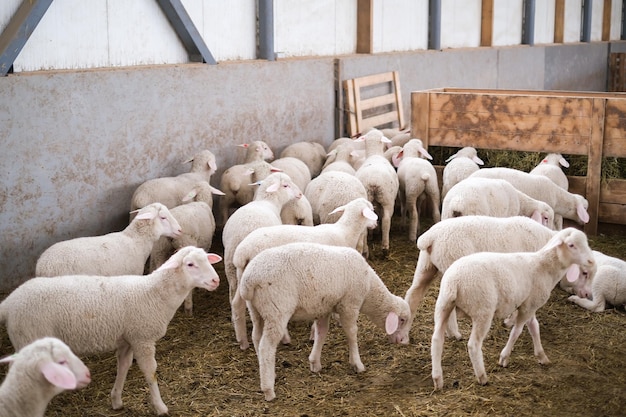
202	371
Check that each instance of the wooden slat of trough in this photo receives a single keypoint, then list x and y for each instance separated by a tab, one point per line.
615	129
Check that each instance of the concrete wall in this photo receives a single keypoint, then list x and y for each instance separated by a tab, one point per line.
75	144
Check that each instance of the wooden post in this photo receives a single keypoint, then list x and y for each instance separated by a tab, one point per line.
486	24
420	114
559	21
606	21
594	163
364	27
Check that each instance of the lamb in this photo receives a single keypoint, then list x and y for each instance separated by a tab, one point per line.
39	372
169	191
237	181
297	170
298	212
493	197
282	284
380	180
95	314
608	284
312	154
566	204
357	216
451	239
198	225
549	167
342	158
488	284
273	193
458	167
418	181
117	253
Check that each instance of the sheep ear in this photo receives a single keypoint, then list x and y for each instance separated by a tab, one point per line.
536	216
249	171
369	214
425	153
274	169
385	139
58	375
478	160
190	196
216	191
9	359
212	165
188	161
146	216
582	213
273	188
563	162
213	258
169	264
338	209
572	272
391	323
244	145
450	158
397	158
553	243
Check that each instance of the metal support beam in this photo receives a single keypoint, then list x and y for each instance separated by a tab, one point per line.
19	29
266	30
434	24
586	35
528	34
186	31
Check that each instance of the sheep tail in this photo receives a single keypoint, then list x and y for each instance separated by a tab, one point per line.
246	289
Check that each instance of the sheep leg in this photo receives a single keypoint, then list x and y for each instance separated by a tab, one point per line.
596	305
348	320
508	348
257	326
436	344
424	275
144	355
452	329
386	227
533	329
238	313
272	333
414	220
480	329
321	330
124	356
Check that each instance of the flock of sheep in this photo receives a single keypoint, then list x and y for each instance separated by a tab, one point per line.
295	233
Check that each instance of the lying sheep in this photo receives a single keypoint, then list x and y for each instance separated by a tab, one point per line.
39	372
451	239
312	154
493	197
273	193
380	180
117	253
550	166
95	314
418	183
169	191
608	285
566	204
488	284
356	217
458	167
198	226
282	284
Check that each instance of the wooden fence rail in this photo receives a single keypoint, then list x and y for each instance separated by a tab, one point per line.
571	123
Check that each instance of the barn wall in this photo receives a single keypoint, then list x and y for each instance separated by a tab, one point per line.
75	144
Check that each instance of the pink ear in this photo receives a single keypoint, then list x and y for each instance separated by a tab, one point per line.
190	196
146	216
582	213
425	153
564	162
169	264
397	158
478	160
338	209
58	375
537	217
572	272
212	165
214	258
369	214
8	359
273	188
274	169
391	324
216	191
244	145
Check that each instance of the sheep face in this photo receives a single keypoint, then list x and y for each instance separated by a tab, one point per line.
197	266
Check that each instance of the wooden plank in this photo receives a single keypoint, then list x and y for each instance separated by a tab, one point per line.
350	107
611	213
364	27
559	20
549	93
399	108
577	185
613	190
356	91
615	129
594	166
371	103
378	120
606	21
486	23
369	80
420	111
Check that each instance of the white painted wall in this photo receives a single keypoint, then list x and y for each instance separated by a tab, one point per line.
460	23
77	34
400	25
507	25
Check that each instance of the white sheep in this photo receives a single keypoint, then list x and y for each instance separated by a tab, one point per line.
493	197
95	314
237	182
607	286
342	158
198	226
312	154
458	167
39	372
550	166
380	180
418	183
282	284
566	204
488	284
274	192
297	211
116	253
169	191
451	239
356	217
297	170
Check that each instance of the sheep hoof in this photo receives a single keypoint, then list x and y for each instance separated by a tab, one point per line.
504	361
269	394
482	379
244	345
385	253
543	359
